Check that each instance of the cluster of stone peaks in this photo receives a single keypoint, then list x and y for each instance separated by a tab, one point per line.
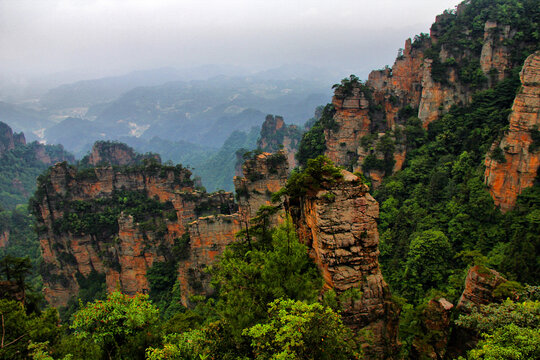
121	243
370	116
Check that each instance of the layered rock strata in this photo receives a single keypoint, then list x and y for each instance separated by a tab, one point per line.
116	154
339	226
479	286
516	166
77	243
276	135
264	174
376	108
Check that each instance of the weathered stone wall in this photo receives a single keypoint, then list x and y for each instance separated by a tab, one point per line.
507	179
339	226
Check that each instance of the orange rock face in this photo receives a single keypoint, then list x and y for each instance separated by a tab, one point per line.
4	238
339	225
123	255
353	123
275	134
507	179
400	85
208	238
263	175
479	286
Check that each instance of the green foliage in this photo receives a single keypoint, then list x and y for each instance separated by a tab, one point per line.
347	85
320	173
161	277
20	328
19	169
296	330
217	171
441	188
249	279
462	35
91	287
498	155
313	142
121	325
212	341
428	262
509	330
274	161
99	216
535	136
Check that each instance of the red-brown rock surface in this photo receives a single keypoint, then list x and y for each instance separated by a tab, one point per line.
276	135
353	123
339	226
479	286
114	153
506	180
125	254
264	174
4	238
375	110
208	238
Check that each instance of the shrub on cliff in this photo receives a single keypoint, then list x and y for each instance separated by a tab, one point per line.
320	173
313	141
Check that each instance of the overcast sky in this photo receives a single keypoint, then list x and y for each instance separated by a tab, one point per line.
105	37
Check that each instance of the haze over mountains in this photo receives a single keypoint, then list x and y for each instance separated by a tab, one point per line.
185	114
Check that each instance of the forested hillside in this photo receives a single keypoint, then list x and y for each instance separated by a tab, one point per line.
406	227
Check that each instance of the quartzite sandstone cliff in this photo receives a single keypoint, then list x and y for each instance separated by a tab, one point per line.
377	108
119	247
339	225
123	249
517	167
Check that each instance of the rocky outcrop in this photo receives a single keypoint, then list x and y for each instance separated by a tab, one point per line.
4	238
495	56
119	221
8	139
437	98
114	221
208	237
354	137
431	74
479	286
339	226
435	328
352	123
401	84
513	163
264	174
276	135
116	154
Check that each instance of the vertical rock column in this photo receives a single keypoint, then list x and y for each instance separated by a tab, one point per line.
516	168
339	227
